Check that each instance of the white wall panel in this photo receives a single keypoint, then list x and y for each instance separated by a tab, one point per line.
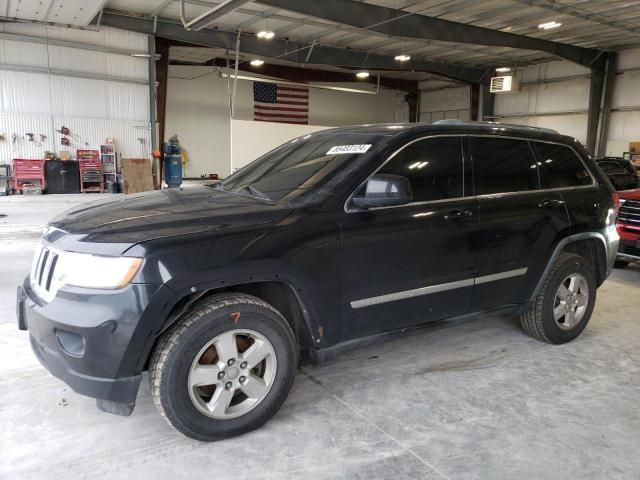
105	37
18	124
446	99
24	93
629	59
572	125
545	98
93	109
627	90
265	136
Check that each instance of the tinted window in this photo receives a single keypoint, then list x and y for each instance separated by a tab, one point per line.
612	168
561	167
503	165
433	166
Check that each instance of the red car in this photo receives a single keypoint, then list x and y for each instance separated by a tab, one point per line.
628	226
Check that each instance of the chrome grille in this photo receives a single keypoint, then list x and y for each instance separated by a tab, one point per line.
42	271
629	212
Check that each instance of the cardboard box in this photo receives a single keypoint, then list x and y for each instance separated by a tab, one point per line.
634	147
136	175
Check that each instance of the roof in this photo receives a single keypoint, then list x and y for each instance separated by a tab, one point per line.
459	127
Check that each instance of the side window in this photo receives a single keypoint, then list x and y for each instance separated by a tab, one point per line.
433	166
612	168
561	166
503	165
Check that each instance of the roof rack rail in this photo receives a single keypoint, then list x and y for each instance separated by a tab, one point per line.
457	121
450	121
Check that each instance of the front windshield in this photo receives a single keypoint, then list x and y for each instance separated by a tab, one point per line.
302	168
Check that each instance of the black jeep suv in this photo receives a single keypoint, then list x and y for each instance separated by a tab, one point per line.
330	240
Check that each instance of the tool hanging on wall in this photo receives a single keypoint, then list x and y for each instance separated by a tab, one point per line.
29	136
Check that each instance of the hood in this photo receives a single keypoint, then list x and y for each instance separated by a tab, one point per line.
159	214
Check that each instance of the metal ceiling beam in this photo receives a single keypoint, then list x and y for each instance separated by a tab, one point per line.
579	13
284	49
404	24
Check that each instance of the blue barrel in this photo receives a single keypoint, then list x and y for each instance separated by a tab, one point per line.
173	170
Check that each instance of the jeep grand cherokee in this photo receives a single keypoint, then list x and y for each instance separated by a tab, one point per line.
330	240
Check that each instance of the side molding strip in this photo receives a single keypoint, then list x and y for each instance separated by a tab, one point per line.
442	287
501	276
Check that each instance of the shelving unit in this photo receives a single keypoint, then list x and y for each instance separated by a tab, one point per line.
109	159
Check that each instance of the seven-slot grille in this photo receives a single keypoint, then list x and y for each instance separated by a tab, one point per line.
42	271
629	212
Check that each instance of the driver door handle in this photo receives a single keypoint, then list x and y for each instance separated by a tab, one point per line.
551	203
457	214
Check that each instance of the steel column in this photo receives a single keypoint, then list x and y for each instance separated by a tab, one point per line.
595	103
610	80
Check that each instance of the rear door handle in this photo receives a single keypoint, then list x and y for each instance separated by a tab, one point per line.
457	214
551	203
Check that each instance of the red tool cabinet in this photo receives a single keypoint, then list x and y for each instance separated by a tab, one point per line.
91	176
28	171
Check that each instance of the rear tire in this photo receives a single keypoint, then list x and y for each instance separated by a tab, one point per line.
621	264
225	368
564	305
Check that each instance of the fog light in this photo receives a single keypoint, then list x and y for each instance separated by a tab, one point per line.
71	343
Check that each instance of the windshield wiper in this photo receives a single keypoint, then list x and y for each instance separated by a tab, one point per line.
257	193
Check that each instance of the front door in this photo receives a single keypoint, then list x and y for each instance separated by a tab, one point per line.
414	263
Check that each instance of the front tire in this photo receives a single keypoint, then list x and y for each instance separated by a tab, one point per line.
564	305
225	368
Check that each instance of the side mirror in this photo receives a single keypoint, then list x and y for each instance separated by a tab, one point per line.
383	190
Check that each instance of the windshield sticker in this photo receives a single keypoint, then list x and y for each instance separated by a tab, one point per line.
338	149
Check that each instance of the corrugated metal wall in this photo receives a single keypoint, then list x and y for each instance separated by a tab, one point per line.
92	86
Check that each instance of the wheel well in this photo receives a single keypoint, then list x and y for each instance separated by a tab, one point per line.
593	250
279	294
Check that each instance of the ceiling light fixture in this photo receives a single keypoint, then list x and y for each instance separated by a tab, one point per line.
362	74
402	58
265	34
549	25
503	69
256	62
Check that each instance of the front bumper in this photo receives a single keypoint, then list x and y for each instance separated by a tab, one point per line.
629	248
95	341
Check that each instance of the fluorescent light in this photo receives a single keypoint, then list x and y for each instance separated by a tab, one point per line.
549	25
503	69
402	58
265	34
322	87
362	74
256	62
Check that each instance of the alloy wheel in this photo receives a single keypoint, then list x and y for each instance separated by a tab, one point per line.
571	301
232	374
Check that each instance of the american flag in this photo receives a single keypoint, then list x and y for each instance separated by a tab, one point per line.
280	103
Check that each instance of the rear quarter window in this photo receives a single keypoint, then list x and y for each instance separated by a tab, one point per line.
561	167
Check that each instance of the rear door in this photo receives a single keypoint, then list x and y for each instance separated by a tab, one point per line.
518	221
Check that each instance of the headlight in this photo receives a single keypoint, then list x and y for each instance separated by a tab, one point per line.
52	269
94	271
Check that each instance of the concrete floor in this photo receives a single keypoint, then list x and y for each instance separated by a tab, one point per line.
467	400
